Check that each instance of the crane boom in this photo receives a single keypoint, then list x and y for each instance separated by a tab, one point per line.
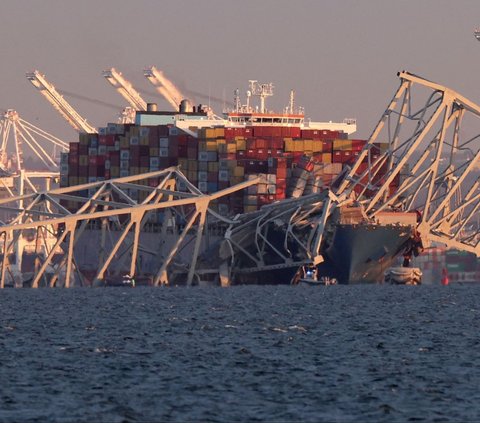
59	103
164	86
125	89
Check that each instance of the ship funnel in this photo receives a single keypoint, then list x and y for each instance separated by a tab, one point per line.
186	106
152	107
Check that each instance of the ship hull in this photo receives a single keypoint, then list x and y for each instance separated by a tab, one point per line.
360	253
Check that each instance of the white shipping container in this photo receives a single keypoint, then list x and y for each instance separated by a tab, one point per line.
134	141
124	154
163	152
203	186
124	172
223	175
124	164
203	156
163	142
202	176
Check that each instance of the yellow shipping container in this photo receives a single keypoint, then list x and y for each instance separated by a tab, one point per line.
124	142
154	151
212	145
326	157
144	170
210	133
213	166
308	145
299	145
249	208
115	171
83	179
221	141
219	132
383	147
236	180
231	148
144	140
238	171
342	144
134	170
289	144
317	146
241	144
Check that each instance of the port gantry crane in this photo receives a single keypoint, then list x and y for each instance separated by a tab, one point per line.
126	90
59	103
164	86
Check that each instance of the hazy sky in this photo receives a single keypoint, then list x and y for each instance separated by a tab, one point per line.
341	56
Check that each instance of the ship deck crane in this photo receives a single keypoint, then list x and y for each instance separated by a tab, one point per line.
59	103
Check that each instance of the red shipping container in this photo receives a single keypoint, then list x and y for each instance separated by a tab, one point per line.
163	130
295	132
251	143
82	171
72	158
74	147
251	154
286	132
83	149
241	155
327	146
248	132
144	161
261	143
229	133
73	169
337	157
258	131
277	143
108	175
182	151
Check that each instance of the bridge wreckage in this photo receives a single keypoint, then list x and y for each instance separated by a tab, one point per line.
423	189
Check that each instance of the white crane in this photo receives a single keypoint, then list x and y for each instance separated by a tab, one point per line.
125	89
58	102
164	86
12	126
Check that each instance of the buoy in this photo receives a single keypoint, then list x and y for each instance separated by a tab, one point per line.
444	277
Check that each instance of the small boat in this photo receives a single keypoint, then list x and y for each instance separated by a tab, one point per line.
403	275
324	281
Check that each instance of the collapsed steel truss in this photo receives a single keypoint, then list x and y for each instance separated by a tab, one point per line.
410	163
108	205
425	148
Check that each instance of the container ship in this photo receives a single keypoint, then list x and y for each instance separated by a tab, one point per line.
292	157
